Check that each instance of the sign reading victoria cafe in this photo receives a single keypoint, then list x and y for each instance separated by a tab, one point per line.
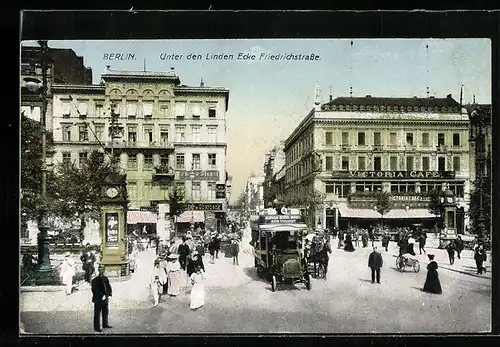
394	174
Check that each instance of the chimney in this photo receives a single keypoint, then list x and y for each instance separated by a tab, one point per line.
448	96
331	97
201	83
368	96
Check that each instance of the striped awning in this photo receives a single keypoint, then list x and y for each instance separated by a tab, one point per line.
416	213
191	216
144	217
366	213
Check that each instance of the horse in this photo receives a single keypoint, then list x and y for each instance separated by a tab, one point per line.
320	258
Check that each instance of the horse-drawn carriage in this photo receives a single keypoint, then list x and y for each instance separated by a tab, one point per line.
317	251
278	248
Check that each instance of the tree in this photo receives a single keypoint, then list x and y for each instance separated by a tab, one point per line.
176	200
436	206
79	189
384	204
32	204
474	209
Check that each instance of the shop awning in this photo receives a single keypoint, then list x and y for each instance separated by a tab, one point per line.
144	217
365	213
191	216
416	213
347	212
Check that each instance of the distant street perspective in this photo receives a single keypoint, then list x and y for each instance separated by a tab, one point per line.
153	202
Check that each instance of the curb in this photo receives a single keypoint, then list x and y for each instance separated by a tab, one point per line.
40	289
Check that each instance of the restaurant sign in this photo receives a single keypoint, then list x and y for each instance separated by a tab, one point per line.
394	174
198	175
203	207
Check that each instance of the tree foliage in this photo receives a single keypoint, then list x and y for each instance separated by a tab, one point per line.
436	207
176	199
474	209
78	190
32	204
384	202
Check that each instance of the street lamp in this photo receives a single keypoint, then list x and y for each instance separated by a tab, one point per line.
43	240
192	176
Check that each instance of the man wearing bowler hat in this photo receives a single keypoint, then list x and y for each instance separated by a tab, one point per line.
101	292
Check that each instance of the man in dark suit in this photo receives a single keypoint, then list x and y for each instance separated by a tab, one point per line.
88	260
101	292
375	262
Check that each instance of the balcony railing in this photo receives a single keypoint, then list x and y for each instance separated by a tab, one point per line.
140	144
164	170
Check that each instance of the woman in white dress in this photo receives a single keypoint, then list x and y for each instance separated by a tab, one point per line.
198	290
173	275
66	272
163	273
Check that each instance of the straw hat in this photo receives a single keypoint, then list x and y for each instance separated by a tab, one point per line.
67	254
173	256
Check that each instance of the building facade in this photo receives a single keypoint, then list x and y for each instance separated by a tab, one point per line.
404	146
273	163
254	193
167	132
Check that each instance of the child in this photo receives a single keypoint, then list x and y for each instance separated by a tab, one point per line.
156	289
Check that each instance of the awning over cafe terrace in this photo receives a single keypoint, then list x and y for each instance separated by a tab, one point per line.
191	216
364	213
143	217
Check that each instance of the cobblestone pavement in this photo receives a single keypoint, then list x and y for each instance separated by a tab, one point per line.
238	302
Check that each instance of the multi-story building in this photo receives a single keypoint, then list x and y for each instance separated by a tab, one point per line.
254	193
273	163
167	132
63	67
405	146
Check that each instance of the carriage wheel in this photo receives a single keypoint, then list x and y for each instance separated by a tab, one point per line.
416	266
400	263
308	281
273	283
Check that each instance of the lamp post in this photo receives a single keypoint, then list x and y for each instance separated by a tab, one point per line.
43	240
479	138
191	177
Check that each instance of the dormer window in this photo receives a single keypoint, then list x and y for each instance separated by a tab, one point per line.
355	107
382	108
341	107
348	107
362	107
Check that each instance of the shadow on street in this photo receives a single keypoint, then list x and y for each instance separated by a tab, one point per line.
251	272
364	280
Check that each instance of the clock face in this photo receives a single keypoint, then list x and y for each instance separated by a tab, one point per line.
112	192
450	200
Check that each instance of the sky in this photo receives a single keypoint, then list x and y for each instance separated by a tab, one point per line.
269	98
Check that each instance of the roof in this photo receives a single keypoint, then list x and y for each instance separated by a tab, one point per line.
282	227
392	101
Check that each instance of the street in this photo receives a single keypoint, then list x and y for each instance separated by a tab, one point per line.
237	301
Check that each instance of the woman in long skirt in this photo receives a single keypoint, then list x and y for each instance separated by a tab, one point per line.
173	275
67	272
432	284
198	290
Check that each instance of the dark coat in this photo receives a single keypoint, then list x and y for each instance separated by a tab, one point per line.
191	266
101	287
375	260
432	283
183	250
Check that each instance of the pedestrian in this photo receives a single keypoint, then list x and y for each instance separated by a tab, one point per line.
480	257
88	259
217	242
235	249
375	262
385	241
162	272
211	249
450	248
173	275
194	261
200	248
432	283
459	243
348	247
421	243
156	289
66	272
409	246
101	293
173	249
197	298
356	238
184	252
